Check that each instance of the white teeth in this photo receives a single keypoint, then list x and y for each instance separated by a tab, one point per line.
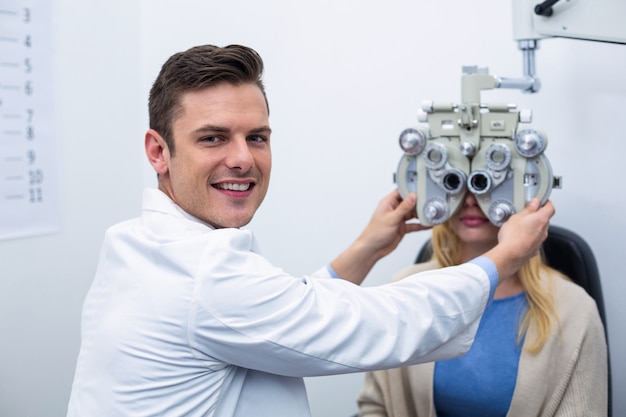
234	187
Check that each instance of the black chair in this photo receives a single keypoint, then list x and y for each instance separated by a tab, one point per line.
568	253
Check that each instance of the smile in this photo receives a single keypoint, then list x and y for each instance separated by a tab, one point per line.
233	187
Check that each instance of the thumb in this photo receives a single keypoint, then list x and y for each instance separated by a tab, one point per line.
532	206
408	203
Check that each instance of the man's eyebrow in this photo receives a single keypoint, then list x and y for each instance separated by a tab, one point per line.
221	129
211	128
262	129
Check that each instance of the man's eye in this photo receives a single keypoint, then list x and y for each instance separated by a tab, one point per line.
256	138
210	139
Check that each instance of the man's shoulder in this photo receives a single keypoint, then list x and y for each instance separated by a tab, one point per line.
122	226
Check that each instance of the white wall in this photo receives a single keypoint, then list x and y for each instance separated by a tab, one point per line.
343	79
43	280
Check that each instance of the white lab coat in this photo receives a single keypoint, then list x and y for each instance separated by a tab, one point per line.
186	320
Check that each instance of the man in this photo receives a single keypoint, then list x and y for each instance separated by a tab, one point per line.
185	318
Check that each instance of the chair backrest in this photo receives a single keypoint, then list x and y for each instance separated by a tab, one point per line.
568	253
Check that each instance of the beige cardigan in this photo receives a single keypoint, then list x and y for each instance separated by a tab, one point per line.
568	377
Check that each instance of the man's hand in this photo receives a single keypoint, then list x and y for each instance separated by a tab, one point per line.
388	225
520	237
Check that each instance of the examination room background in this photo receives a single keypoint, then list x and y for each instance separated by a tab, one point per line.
343	79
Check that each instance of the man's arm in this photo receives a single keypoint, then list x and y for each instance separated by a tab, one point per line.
388	225
518	240
521	237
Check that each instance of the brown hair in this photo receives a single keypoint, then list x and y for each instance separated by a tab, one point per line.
197	68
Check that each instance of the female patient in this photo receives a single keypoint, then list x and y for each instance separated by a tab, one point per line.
540	349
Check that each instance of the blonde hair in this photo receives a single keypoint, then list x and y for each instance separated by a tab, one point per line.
541	310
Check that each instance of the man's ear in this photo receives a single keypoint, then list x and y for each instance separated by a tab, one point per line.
157	152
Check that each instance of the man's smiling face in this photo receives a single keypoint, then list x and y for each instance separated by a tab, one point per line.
221	166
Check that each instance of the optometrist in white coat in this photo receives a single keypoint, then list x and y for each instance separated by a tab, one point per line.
186	318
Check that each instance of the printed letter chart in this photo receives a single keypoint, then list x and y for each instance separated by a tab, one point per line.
30	201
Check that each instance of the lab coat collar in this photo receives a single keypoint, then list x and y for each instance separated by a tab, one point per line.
164	216
156	201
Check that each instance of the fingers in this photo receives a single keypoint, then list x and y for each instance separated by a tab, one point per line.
415	227
534	205
409	202
542	214
398	207
548	208
394	198
406	208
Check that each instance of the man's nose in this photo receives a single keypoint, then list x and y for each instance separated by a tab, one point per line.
239	155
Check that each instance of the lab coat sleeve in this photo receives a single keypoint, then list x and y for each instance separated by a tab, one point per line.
254	315
325	272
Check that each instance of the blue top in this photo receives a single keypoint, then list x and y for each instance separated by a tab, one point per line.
482	382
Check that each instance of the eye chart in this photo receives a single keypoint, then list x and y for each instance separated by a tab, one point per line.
30	198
